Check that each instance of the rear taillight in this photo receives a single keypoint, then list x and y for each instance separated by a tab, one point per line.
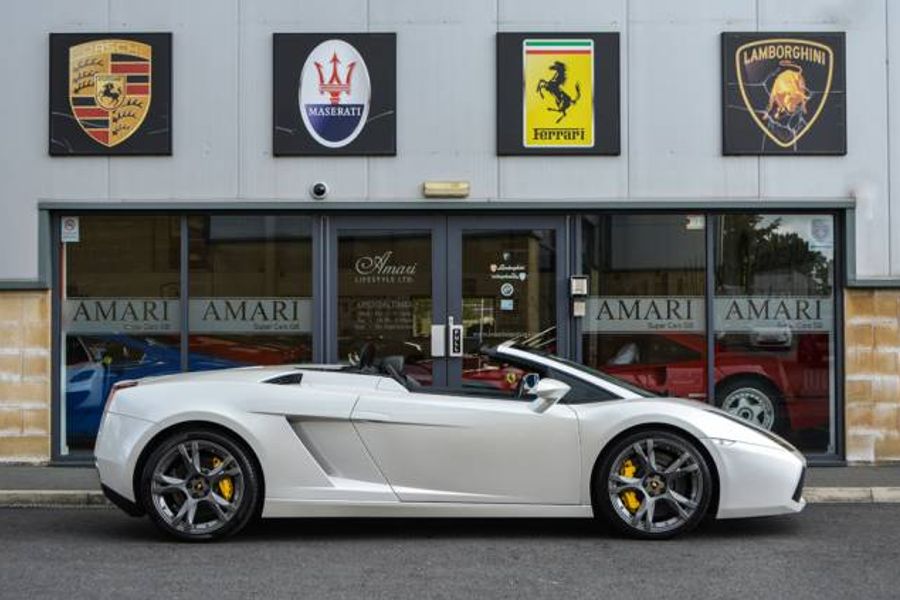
118	386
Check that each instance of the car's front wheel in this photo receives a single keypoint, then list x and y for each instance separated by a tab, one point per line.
653	484
200	485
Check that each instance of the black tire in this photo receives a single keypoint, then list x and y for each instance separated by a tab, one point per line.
653	493
227	513
758	391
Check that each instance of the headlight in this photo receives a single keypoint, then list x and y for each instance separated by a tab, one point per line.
772	437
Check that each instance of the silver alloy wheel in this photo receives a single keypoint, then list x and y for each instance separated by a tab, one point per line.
189	488
666	479
751	404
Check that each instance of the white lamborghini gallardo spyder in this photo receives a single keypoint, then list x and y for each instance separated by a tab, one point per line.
205	453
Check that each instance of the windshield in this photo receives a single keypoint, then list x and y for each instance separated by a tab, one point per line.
539	343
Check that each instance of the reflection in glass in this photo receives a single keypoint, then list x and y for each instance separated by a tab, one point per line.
250	299
384	297
774	323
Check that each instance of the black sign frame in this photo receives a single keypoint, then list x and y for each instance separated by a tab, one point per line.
153	136
378	136
743	135
510	89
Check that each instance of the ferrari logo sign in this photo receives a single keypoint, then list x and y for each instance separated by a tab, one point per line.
783	93
557	93
558	100
110	88
784	84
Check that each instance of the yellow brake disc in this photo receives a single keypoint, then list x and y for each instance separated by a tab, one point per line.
629	497
225	485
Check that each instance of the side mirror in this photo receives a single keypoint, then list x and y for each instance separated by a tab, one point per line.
549	392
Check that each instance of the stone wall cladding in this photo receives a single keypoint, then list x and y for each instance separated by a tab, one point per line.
872	356
25	376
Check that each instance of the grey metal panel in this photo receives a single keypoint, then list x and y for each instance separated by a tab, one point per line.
261	175
675	97
205	114
544	205
445	98
863	173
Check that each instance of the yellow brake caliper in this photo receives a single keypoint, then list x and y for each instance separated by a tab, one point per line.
629	497
226	486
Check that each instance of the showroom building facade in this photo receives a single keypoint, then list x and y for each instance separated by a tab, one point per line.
239	183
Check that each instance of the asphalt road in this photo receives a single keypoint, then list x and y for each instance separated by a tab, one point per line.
829	551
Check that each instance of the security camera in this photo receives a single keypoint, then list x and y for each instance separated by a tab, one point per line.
319	190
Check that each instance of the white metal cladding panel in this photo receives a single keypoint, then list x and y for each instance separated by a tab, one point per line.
893	31
446	104
262	176
864	171
675	93
205	115
671	118
26	171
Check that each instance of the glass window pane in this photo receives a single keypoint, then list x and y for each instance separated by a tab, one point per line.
384	297
120	313
645	318
774	323
250	290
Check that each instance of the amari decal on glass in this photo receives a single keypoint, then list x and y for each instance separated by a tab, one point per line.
110	94
557	93
559	88
334	94
784	93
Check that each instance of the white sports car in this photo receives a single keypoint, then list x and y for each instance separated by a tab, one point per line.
204	453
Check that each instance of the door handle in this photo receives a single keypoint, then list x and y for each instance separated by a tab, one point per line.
438	339
372	417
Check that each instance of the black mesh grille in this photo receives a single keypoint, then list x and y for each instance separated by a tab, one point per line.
799	491
289	379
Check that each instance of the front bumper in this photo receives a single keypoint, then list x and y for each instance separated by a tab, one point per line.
757	480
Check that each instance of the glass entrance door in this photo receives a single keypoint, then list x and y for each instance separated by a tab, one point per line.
507	279
388	283
403	285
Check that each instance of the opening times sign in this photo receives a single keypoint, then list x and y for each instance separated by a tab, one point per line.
257	315
733	314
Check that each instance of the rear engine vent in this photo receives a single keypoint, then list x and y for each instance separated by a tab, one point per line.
289	379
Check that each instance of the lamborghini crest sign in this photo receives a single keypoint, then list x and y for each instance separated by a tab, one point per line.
784	94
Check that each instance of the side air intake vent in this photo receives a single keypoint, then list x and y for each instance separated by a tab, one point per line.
289	379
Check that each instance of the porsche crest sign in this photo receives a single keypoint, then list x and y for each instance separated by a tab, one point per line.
110	94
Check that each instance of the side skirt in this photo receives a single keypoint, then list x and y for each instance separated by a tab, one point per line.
275	507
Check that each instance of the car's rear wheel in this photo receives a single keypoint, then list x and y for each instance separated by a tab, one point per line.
653	484
200	485
753	400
